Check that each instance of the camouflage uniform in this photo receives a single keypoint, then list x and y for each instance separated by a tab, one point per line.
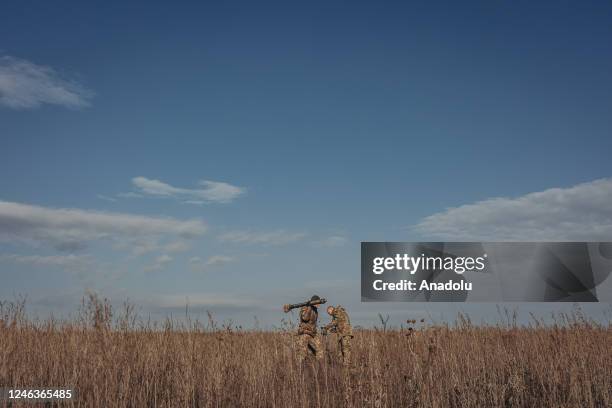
309	339
341	325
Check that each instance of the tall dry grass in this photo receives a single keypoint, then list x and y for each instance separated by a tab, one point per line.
123	361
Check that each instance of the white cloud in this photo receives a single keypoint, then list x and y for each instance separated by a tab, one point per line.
159	262
129	194
69	262
69	229
145	245
138	246
24	85
218	259
106	198
332	241
582	212
177	246
197	264
207	191
277	237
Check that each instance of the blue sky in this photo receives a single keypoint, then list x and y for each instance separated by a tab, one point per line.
327	125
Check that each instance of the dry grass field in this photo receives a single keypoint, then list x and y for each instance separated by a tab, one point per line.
119	360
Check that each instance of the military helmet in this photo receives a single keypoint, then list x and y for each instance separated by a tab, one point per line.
315	298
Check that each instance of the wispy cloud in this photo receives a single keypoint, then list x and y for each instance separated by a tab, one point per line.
69	229
206	191
177	246
129	194
159	262
219	259
25	85
581	212
277	237
106	198
144	245
197	264
68	262
333	241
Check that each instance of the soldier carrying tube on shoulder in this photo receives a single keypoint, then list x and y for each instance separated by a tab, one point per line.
309	340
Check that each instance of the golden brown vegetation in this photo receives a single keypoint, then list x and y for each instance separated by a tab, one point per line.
122	361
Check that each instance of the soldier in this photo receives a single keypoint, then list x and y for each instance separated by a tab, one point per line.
309	338
341	325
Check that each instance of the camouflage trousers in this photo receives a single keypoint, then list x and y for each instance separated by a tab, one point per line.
310	346
344	349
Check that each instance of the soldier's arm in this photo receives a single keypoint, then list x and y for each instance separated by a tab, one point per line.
328	328
331	326
305	314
